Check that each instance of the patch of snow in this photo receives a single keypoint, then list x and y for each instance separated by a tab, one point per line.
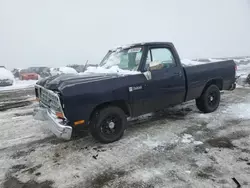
245	86
242	72
145	175
246	66
198	143
241	60
239	110
142	117
19	84
145	116
243	69
112	60
6	74
242	80
62	70
203	116
152	143
24	129
111	70
214	60
67	70
187	138
213	124
161	140
237	60
188	62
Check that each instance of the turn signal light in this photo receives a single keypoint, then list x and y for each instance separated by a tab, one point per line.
79	122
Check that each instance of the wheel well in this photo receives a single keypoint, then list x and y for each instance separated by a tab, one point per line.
217	82
119	103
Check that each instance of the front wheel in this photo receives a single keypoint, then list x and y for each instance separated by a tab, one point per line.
108	124
209	100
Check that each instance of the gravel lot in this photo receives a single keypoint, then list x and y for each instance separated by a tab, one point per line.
179	147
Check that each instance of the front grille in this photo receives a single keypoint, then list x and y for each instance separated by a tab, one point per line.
50	99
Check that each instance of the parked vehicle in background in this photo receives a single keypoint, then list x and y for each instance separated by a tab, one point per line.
6	77
28	76
145	77
33	73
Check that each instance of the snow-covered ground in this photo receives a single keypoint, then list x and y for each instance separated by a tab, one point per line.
180	147
19	84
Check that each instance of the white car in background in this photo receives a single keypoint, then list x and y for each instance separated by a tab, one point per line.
6	77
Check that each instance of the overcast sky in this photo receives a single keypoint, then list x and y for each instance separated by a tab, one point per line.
60	32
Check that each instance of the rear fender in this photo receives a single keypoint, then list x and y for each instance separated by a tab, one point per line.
216	81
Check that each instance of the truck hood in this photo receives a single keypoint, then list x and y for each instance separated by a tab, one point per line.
58	82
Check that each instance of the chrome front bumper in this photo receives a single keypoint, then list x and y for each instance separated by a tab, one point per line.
55	125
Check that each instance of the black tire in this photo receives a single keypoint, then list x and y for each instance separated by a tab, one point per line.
101	127
209	100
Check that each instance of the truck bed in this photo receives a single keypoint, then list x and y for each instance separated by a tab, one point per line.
197	77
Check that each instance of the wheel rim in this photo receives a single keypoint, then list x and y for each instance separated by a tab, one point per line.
111	125
212	99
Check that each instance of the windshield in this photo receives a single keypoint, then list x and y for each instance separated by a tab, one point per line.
126	59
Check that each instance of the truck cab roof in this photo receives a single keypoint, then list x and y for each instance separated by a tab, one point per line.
141	44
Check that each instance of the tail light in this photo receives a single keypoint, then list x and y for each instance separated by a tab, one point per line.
235	67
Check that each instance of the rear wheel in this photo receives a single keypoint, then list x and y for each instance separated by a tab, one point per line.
209	100
108	124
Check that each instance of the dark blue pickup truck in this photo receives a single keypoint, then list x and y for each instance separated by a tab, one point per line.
148	77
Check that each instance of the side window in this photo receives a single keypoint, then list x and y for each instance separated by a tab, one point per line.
161	58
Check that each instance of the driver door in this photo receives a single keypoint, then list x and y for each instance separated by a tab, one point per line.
167	84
